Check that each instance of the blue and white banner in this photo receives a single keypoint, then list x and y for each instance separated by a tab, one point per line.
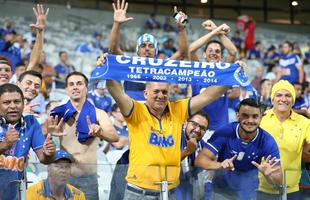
174	71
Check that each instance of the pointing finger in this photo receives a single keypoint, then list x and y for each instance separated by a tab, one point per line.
48	137
88	121
234	157
175	9
10	126
255	164
60	124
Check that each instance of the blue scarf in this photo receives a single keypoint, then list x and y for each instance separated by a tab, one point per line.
174	71
66	111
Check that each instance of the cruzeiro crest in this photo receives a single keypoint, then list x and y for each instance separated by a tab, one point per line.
241	77
100	71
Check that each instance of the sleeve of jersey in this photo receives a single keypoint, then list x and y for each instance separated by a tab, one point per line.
307	130
215	143
37	139
181	108
298	61
135	113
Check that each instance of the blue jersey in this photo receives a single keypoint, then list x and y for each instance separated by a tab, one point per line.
135	90
254	54
225	143
121	132
101	102
30	135
192	157
300	102
217	110
12	162
64	71
307	56
288	64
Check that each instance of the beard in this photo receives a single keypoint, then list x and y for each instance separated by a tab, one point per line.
249	132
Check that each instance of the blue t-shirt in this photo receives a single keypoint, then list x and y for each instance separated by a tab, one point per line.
225	143
192	157
288	64
217	110
30	135
121	132
300	103
135	90
307	56
237	41
64	71
12	161
254	54
101	102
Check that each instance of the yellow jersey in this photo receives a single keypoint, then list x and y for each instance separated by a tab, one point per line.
290	136
155	144
42	191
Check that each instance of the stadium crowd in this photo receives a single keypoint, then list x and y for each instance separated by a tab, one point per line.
215	142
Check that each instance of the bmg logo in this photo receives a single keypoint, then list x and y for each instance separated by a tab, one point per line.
161	141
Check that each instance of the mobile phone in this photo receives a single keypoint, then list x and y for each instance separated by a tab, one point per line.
177	17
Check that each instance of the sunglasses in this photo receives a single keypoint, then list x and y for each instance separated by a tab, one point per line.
195	124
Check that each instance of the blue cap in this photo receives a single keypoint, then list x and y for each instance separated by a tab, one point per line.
61	154
97	34
9	31
146	38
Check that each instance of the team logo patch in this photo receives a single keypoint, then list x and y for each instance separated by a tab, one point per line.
162	141
100	71
241	77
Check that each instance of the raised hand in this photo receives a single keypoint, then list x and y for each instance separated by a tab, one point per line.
49	147
223	29
120	12
180	19
55	126
269	166
228	163
242	65
191	145
28	108
209	25
94	129
101	60
41	16
11	136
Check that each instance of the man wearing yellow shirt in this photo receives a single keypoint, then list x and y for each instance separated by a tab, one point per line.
292	134
56	185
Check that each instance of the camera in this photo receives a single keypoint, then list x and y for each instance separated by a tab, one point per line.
177	16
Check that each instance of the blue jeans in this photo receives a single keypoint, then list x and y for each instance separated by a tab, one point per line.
9	183
118	182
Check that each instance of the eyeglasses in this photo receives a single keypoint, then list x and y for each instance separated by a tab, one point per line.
195	124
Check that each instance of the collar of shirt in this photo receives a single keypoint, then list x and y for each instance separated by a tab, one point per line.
48	192
270	113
